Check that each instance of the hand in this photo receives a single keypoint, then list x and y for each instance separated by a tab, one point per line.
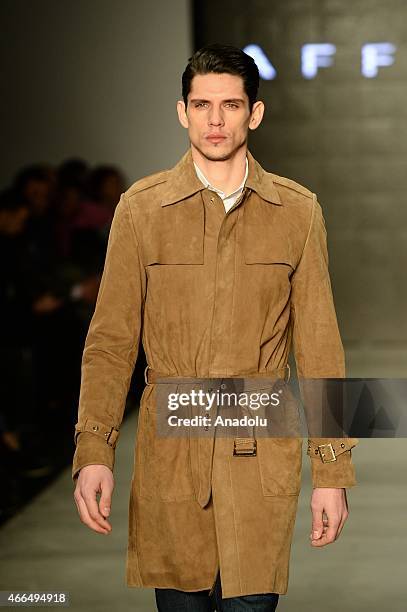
334	505
94	479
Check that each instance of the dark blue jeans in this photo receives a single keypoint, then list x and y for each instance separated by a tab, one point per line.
171	600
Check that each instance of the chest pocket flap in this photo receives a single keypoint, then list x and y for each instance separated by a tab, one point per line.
175	234
265	247
265	236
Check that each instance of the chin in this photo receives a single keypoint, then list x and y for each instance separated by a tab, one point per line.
213	153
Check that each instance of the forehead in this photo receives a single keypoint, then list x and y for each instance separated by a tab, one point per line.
216	85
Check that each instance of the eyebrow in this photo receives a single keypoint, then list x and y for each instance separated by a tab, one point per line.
229	100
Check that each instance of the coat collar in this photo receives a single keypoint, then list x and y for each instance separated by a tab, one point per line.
184	182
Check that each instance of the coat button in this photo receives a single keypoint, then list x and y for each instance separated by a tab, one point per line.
342	445
223	386
95	428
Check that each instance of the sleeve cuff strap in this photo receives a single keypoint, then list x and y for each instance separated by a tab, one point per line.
107	433
91	450
329	451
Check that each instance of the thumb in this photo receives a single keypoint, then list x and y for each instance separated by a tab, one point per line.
317	525
105	503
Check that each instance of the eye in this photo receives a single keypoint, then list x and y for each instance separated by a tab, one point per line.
200	104
232	105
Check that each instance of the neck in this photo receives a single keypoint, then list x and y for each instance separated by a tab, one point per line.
226	174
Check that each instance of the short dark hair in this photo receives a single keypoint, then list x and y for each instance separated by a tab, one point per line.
220	59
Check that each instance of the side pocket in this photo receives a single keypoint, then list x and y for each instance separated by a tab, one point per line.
280	463
163	462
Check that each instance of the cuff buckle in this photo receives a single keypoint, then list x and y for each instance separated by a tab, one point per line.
327	452
111	436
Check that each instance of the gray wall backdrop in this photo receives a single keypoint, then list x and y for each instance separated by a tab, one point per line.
100	79
343	136
92	78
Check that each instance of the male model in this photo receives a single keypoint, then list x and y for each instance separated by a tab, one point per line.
219	267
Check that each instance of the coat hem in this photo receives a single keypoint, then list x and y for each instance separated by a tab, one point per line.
278	591
132	584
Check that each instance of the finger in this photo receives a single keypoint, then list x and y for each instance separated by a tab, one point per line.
321	542
342	523
329	536
317	524
86	518
93	510
105	500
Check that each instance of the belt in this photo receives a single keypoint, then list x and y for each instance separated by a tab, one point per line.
151	377
242	447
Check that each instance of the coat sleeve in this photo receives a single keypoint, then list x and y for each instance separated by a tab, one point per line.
318	350
111	346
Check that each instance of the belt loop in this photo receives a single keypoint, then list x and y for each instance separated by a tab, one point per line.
145	375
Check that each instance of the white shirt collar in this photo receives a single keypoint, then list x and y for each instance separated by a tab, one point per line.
222	194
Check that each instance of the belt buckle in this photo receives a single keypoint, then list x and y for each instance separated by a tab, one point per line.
243	449
331	452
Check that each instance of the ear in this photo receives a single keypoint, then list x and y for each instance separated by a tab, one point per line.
257	115
182	113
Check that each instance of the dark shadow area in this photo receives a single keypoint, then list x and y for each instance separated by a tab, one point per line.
54	227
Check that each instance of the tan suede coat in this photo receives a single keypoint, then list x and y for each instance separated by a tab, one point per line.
214	295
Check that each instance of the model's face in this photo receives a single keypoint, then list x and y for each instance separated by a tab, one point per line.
217	116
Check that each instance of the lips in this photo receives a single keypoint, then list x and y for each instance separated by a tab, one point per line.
216	138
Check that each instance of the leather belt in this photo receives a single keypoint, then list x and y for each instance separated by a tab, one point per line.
242	447
151	377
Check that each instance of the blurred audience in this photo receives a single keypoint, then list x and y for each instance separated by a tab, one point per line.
54	227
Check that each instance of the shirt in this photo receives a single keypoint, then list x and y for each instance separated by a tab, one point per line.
228	200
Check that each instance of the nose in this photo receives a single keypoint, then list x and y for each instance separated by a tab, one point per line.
215	117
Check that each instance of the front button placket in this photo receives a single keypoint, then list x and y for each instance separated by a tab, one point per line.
225	271
215	202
